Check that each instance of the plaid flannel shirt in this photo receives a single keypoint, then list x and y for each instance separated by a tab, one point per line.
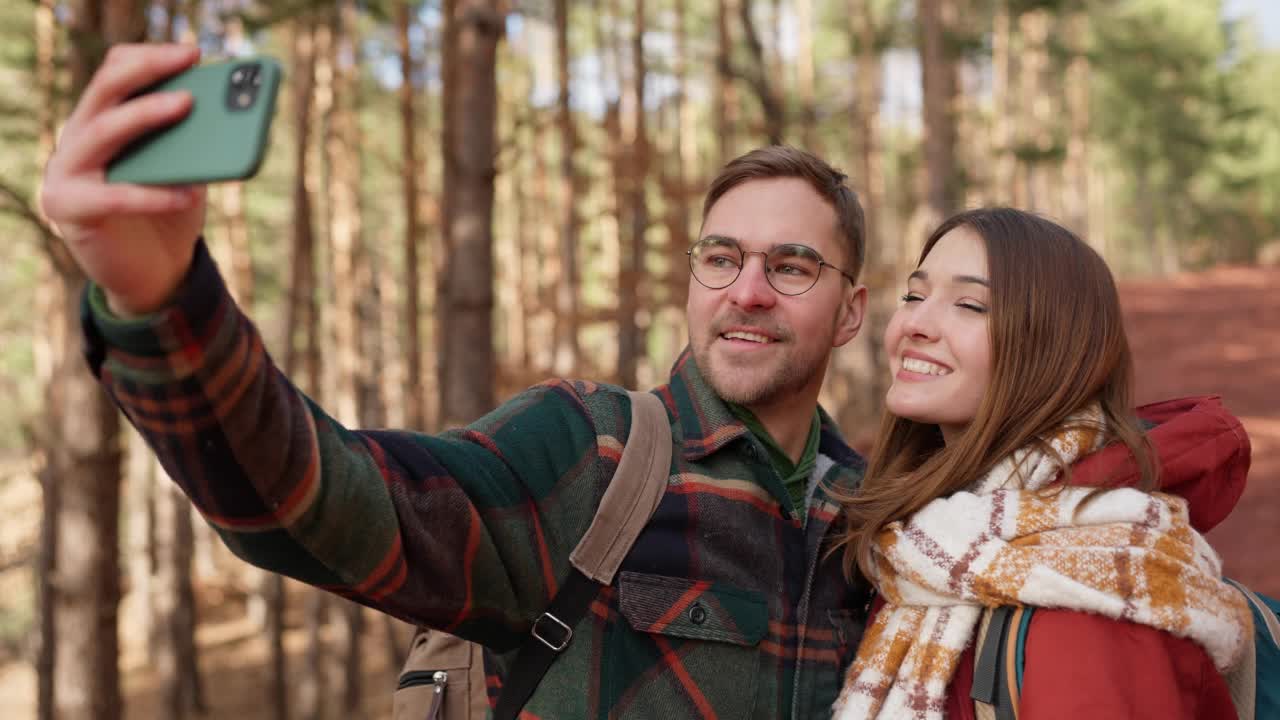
727	606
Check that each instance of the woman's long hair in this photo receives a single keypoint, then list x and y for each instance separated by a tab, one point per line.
1058	343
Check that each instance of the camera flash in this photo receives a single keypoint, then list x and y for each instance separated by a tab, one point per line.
243	99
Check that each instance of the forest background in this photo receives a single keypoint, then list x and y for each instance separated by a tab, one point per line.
463	197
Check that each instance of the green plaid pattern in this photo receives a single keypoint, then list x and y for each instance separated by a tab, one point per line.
727	607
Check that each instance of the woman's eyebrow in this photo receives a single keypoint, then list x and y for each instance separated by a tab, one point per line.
973	279
970	279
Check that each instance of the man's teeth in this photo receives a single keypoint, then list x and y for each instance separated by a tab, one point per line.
750	337
924	367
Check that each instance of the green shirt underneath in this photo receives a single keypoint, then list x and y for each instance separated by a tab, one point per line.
795	475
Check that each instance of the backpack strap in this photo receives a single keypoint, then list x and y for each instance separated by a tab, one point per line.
628	503
998	660
1242	680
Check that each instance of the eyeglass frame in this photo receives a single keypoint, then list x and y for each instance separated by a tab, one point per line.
765	259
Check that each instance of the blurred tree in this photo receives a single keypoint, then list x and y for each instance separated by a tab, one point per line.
634	204
83	450
472	31
939	89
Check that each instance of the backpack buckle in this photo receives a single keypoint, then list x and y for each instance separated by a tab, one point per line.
559	636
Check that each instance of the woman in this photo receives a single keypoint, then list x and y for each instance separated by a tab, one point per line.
1010	367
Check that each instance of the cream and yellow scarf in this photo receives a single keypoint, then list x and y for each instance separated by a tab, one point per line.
1121	553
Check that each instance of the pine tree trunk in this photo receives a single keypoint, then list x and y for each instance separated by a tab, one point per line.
758	78
46	349
807	114
1077	88
566	358
632	266
880	274
1003	111
681	228
1038	120
726	92
410	170
473	29
84	457
175	606
938	78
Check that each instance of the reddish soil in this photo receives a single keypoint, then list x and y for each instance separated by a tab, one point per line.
1218	333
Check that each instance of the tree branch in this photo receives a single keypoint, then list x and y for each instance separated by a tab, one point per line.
14	202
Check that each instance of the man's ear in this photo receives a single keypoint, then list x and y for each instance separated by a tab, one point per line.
853	310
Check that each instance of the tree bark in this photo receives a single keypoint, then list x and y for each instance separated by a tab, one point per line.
632	265
807	114
84	454
46	349
472	29
566	358
938	81
1076	170
726	91
410	169
175	606
1037	120
1002	116
758	78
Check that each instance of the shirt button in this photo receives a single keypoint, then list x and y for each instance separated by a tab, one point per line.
697	614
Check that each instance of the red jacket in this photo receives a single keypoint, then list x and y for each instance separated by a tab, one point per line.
1079	665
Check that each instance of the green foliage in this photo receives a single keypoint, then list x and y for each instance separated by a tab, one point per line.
1175	107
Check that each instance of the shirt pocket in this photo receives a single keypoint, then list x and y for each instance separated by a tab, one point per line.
691	648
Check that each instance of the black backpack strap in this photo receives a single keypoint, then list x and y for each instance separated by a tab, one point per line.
995	691
627	505
550	635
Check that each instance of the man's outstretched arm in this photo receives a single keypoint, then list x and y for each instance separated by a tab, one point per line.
462	531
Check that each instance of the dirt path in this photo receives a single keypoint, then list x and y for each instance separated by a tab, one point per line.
1218	333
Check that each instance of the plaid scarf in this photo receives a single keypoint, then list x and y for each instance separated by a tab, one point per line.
1121	553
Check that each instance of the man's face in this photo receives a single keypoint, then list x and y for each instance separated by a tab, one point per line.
755	345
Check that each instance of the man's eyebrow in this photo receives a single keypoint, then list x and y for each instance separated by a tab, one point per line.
722	239
971	279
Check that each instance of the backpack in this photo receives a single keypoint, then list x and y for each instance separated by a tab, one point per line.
443	677
1002	636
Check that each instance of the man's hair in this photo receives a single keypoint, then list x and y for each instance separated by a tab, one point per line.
781	161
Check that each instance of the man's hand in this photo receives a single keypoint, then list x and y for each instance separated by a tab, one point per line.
135	241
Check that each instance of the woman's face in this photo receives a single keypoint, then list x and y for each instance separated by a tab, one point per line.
938	341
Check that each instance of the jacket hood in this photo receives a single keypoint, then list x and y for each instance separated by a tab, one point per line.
1202	453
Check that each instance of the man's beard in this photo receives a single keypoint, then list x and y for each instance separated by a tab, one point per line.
789	374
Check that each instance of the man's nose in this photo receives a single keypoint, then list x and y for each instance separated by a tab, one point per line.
752	288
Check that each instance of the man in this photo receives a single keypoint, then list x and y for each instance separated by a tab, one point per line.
728	605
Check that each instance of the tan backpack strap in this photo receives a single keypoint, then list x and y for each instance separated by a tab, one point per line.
632	495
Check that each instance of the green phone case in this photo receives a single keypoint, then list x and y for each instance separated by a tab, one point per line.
220	139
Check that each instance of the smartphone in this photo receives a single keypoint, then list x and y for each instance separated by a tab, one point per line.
224	137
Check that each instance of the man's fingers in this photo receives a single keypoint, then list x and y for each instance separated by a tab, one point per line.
106	134
86	202
127	70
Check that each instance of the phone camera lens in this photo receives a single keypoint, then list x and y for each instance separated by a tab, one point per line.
237	77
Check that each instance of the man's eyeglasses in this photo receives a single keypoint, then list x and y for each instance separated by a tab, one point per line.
791	269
